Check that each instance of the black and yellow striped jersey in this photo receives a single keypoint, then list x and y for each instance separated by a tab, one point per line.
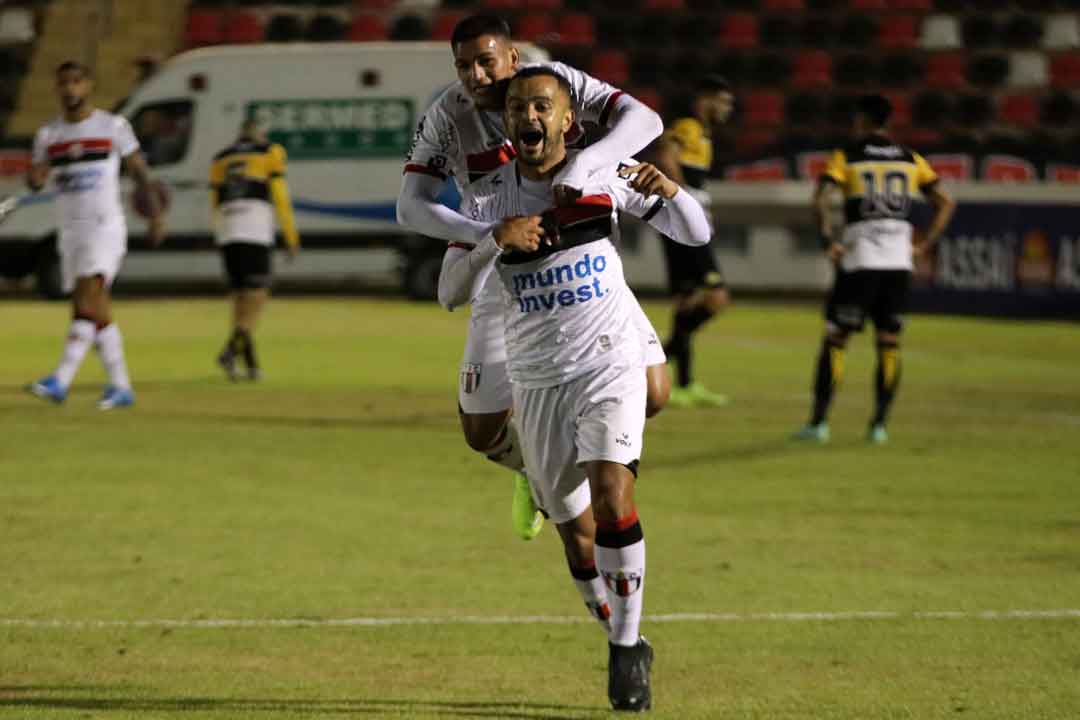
695	150
880	180
246	179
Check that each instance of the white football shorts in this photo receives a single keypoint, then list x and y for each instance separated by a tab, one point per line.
91	249
598	416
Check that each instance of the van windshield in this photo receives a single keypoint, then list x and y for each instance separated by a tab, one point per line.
164	130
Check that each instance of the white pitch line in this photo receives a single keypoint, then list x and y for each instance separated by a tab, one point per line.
1063	614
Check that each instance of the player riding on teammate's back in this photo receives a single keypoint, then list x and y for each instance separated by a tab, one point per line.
462	137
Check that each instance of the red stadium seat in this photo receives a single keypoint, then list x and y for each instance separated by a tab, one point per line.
946	70
368	28
662	5
783	5
534	26
739	30
1020	110
577	29
922	138
813	68
901	104
443	26
763	109
649	96
204	27
1065	70
899	31
243	27
611	66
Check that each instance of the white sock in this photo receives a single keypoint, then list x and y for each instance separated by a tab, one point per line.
79	339
620	558
507	452
593	591
110	347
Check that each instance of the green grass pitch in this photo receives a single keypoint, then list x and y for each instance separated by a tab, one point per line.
340	488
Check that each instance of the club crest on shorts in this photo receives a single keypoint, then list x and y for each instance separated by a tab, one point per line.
623	583
470	377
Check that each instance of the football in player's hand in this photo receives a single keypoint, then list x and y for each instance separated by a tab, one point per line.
140	198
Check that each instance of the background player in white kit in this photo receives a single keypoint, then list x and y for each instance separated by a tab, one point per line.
83	149
574	353
462	136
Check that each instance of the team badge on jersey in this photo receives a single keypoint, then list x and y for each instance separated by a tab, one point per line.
470	377
623	583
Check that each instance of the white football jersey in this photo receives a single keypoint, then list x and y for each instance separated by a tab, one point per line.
85	162
569	311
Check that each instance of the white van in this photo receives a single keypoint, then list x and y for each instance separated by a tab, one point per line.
345	113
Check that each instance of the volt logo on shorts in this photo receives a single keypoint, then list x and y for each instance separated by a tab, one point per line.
588	267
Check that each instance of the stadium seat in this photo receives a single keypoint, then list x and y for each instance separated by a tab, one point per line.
739	30
841	111
854	70
899	31
819	31
16	25
930	109
442	27
974	111
869	5
899	70
1020	110
325	28
204	27
1058	110
763	108
576	29
367	27
923	139
1028	69
1023	31
988	70
410	27
940	32
756	141
652	6
534	26
823	5
991	5
813	68
284	28
778	31
1062	32
946	70
731	65
611	66
689	29
858	30
503	5
1065	70
979	32
901	104
769	69
804	109
548	5
243	27
913	5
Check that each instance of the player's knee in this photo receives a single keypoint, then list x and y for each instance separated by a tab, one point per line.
612	492
837	337
482	431
717	300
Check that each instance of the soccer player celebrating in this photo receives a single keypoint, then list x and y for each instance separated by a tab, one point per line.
85	147
462	136
873	257
247	184
694	278
574	353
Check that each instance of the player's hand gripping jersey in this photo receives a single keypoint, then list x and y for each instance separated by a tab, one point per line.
567	307
880	180
84	158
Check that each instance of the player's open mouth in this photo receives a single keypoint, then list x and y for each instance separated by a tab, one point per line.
532	137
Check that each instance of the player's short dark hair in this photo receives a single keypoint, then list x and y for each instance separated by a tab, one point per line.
475	26
876	107
544	71
713	84
73	65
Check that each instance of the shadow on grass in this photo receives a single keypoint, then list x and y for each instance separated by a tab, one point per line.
40	696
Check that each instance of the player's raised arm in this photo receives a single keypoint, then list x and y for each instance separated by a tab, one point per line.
631	125
659	201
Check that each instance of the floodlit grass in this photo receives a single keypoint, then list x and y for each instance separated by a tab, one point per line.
340	488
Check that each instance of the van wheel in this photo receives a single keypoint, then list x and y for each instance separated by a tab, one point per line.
49	282
422	276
